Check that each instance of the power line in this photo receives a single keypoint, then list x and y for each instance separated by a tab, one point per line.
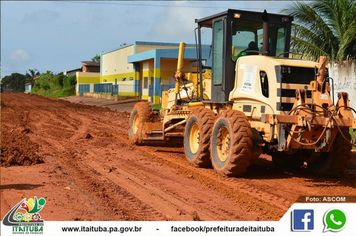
174	6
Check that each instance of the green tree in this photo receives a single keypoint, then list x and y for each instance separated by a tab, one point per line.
30	74
46	77
50	73
58	80
15	81
96	58
325	28
70	81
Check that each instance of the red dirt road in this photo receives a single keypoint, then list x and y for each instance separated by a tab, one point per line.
88	170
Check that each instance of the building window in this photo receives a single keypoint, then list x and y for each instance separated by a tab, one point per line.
145	82
131	78
152	81
123	79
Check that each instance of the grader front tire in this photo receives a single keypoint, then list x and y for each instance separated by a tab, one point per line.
231	144
141	113
197	137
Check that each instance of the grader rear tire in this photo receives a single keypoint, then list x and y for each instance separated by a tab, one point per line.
141	113
197	137
231	144
333	163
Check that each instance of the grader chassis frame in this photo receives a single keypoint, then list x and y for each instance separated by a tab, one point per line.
229	134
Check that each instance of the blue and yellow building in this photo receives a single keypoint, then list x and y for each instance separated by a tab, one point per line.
143	65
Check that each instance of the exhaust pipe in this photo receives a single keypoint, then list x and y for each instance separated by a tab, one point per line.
179	74
265	19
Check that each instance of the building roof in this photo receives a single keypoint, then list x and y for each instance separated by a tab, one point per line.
149	43
163	44
70	71
157	54
91	63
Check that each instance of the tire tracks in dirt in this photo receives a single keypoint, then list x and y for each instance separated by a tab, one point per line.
249	198
174	202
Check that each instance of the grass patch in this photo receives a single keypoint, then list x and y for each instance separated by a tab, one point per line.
49	85
157	106
64	92
351	131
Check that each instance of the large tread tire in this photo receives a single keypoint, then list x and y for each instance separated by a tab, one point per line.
140	114
287	162
199	123
234	158
333	163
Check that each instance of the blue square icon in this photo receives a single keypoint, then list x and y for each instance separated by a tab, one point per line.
303	220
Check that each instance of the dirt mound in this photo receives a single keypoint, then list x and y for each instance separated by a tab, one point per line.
17	149
16	146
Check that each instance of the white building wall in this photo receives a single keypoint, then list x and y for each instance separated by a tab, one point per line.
344	79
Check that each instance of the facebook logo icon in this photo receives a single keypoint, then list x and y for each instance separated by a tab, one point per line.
302	220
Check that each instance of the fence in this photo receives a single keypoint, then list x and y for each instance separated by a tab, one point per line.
103	88
121	89
84	88
129	90
163	87
117	90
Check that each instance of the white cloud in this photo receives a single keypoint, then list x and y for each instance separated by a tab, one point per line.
19	55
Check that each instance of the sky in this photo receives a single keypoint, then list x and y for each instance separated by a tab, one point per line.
58	35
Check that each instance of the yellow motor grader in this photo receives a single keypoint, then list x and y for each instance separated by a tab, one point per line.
251	101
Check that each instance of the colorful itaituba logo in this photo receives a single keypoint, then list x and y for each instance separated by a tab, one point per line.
25	212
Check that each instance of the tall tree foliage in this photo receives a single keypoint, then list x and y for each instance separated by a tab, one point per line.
31	74
15	82
325	28
96	58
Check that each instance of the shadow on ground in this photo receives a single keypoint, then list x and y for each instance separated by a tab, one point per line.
21	186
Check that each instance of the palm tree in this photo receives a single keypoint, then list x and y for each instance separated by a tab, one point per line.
30	74
325	28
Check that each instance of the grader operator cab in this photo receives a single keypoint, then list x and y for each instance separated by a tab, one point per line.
252	100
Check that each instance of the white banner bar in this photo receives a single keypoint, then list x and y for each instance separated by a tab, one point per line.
301	219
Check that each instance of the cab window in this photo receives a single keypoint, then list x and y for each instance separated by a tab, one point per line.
218	51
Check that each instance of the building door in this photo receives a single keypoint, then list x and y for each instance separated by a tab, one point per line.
141	81
145	80
145	90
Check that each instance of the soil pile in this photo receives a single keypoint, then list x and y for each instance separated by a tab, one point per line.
16	145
